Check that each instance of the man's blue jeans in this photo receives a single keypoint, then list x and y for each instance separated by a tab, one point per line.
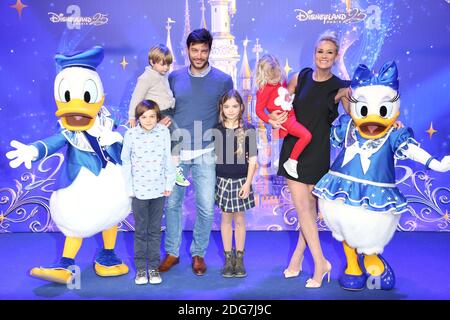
203	170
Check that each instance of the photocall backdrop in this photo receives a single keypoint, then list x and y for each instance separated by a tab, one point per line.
414	34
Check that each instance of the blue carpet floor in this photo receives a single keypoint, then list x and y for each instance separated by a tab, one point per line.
421	261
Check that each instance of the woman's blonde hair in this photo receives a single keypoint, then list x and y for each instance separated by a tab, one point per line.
240	131
328	35
267	68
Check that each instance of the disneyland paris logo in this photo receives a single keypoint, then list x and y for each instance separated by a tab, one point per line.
355	15
371	16
75	20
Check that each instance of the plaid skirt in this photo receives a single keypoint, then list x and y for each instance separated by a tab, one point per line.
227	195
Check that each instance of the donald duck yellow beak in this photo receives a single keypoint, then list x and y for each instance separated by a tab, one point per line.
78	115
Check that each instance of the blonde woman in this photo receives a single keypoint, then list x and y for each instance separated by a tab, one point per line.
317	95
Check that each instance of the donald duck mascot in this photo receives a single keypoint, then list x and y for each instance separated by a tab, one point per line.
90	194
358	197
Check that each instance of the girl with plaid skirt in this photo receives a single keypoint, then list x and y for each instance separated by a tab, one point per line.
236	150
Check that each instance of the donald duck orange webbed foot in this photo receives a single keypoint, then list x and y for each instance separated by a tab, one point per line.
107	264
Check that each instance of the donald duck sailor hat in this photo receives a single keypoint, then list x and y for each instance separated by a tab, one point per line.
89	59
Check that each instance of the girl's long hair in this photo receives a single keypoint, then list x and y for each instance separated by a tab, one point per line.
240	131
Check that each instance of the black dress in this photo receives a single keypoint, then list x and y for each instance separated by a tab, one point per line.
315	109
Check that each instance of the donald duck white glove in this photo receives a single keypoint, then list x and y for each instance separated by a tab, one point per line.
23	154
108	138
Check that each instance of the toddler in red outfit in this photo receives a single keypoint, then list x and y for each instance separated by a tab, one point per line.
273	95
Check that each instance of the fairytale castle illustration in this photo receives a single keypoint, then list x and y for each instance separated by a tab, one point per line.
225	56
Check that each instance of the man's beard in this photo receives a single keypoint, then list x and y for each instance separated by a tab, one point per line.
205	63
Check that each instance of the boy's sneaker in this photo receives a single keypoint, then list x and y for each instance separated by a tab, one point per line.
141	277
180	179
154	277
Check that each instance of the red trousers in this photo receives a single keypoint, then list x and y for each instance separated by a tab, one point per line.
296	129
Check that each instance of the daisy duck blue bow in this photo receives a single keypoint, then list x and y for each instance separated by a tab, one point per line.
387	76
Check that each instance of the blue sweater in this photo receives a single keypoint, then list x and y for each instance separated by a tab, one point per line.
196	99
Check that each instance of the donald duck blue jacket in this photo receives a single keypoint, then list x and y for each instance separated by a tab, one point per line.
80	152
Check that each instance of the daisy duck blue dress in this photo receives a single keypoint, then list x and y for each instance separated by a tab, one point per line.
363	174
358	197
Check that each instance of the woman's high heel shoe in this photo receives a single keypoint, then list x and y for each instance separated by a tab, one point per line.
311	283
292	274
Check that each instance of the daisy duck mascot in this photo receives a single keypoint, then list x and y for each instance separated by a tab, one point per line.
358	197
90	194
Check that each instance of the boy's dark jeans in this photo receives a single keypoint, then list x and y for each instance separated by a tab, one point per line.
147	234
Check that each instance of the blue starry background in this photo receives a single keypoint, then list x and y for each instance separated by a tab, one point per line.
414	34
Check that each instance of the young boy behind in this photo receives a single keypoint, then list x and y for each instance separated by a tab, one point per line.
153	85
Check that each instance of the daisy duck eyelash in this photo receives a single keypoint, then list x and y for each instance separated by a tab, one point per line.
397	96
351	99
354	100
